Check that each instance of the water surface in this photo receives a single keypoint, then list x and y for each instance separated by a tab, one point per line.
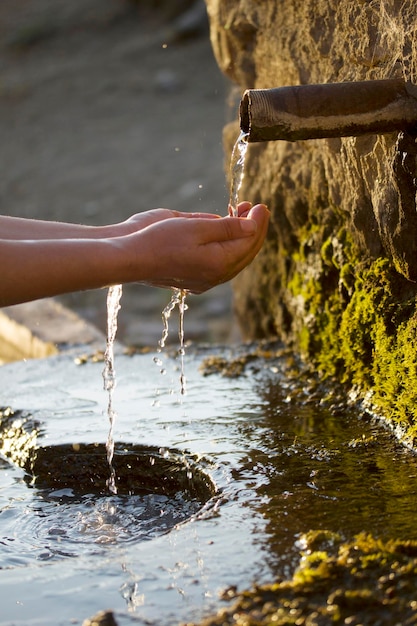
283	461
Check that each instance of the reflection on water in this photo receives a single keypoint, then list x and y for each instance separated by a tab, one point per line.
331	470
285	459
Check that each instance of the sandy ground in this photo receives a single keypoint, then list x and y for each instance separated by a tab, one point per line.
107	109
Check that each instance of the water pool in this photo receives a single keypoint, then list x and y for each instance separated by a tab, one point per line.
276	462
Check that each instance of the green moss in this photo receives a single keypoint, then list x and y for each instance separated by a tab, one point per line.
363	581
318	287
362	323
357	322
378	339
395	376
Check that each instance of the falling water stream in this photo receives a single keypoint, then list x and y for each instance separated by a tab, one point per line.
109	374
178	297
177	300
237	168
114	296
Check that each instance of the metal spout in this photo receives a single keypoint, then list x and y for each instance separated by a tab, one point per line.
328	110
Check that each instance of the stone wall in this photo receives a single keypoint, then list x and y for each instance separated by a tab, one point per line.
336	278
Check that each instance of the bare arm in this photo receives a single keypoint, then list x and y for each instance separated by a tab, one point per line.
17	228
192	252
33	269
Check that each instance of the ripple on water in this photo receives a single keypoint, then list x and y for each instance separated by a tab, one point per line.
288	455
67	512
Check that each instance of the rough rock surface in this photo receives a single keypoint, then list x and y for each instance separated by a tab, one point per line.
337	276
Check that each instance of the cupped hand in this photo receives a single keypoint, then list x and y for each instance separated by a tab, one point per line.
139	221
243	209
197	251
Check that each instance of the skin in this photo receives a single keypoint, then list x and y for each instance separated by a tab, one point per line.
160	247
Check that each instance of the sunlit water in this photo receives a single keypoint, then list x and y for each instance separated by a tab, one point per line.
114	296
283	462
109	374
237	170
177	300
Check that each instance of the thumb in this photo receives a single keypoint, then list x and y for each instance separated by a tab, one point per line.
229	228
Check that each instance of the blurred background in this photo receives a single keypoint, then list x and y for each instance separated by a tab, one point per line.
108	108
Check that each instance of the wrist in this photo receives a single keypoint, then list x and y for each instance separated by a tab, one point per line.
124	258
108	231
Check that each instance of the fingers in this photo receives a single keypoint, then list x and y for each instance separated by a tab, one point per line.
259	212
227	229
261	215
230	228
198	254
209	216
242	207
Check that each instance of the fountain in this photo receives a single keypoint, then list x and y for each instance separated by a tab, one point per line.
194	485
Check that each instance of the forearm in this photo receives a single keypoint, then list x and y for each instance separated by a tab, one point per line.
162	248
17	228
37	269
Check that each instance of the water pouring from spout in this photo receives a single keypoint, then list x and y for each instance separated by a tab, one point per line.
237	170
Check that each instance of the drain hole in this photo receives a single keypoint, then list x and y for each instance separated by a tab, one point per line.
139	471
68	510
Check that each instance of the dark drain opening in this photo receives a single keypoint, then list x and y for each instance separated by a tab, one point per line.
68	508
139	471
83	467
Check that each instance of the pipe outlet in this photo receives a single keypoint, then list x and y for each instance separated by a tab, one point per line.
328	110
